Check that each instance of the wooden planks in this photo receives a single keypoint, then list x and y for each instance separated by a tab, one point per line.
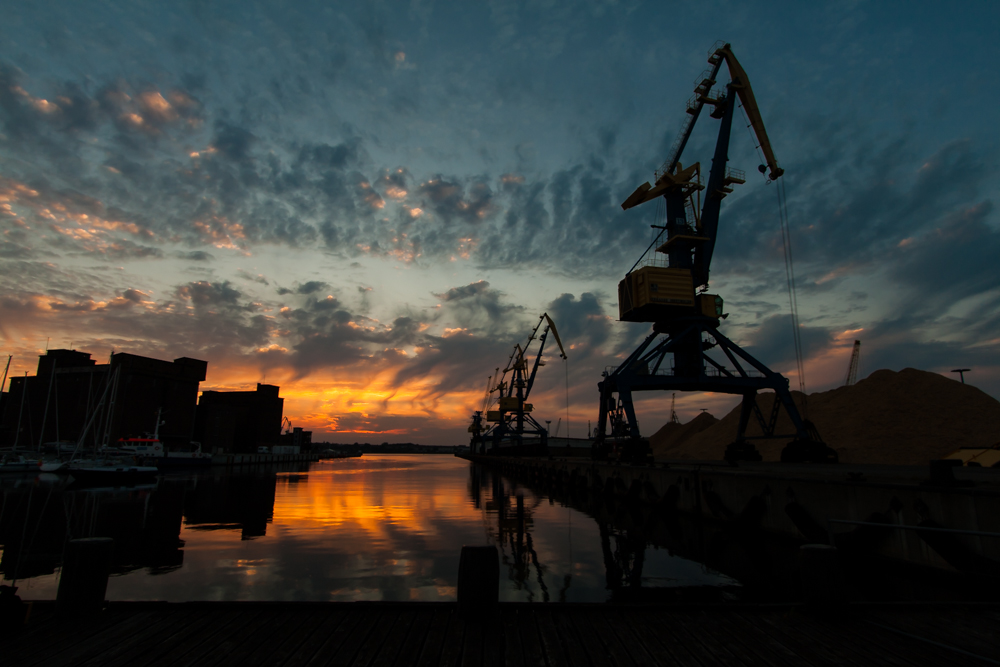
546	635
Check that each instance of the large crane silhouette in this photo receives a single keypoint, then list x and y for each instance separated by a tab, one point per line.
671	293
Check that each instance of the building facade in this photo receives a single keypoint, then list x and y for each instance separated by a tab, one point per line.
71	393
240	421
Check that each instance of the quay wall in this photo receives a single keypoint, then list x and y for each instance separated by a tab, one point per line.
803	502
239	460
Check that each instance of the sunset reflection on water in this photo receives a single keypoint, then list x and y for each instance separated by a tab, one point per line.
385	527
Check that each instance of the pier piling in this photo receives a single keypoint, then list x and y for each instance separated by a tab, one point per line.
84	580
478	579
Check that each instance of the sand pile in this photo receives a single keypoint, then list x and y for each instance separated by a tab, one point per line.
906	418
672	435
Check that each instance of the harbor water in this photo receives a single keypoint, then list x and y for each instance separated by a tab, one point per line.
391	528
387	527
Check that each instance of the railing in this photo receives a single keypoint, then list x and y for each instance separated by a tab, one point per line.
701	79
897	526
736	174
715	373
658	260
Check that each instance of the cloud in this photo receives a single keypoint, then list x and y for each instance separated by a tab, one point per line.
582	323
305	288
196	256
772	341
480	308
452	200
232	142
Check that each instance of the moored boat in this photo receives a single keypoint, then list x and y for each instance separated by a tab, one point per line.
11	462
109	472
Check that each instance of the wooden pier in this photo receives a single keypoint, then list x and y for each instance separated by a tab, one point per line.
386	633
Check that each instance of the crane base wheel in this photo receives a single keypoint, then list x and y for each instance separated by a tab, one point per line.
741	450
808	451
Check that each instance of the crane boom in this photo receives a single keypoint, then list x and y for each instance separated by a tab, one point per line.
552	325
741	83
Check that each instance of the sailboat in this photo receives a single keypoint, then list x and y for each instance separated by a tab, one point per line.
14	462
106	468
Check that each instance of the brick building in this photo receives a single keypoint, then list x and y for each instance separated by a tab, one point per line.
240	421
119	399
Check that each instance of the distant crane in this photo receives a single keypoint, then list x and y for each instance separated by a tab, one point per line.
852	368
507	422
961	373
673	413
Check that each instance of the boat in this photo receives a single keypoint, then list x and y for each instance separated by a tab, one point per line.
190	458
109	471
339	454
150	450
53	466
110	466
11	462
148	447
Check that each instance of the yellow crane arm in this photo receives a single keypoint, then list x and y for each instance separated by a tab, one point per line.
552	326
741	82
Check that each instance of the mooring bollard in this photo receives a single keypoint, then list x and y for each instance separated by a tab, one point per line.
12	611
821	577
85	570
478	579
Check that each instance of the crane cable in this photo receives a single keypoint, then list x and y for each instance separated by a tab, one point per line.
786	242
566	364
793	304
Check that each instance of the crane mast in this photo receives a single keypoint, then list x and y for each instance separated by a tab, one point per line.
508	422
673	295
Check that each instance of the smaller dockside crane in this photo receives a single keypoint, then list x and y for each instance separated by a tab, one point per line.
852	368
508	424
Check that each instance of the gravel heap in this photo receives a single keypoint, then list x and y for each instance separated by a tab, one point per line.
673	435
904	418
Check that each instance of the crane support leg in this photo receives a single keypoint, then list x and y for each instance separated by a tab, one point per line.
645	370
740	449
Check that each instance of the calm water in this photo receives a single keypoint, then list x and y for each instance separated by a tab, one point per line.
372	528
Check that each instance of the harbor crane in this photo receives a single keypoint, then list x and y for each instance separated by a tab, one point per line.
852	368
508	423
670	290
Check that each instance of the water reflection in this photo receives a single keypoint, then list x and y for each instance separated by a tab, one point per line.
613	551
378	527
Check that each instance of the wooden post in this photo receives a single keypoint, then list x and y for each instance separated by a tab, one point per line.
85	570
478	579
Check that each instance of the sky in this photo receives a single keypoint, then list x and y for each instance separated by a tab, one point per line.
369	204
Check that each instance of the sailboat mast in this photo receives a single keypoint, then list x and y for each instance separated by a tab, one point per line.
45	412
2	383
20	413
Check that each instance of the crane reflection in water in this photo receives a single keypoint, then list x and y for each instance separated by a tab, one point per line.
508	520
